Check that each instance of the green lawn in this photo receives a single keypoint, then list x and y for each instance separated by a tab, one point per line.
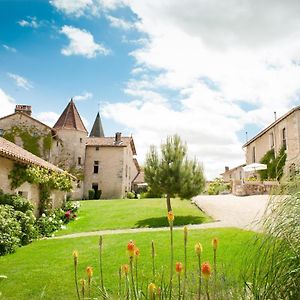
44	269
114	214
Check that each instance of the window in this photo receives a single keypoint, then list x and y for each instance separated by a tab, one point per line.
1	132
284	137
97	148
126	171
80	140
271	139
96	167
253	155
79	160
57	144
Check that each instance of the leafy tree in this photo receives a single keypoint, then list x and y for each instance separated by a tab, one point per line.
172	173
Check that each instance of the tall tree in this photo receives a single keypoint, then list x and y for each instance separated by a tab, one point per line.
172	173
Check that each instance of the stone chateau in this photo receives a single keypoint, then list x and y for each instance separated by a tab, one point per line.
106	165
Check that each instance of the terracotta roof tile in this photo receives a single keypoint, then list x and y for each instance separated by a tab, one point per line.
16	153
70	119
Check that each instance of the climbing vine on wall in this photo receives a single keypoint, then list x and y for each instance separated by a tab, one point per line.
274	164
31	138
47	180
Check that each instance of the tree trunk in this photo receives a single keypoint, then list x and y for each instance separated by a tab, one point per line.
169	207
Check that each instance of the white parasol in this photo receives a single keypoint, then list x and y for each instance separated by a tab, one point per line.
255	167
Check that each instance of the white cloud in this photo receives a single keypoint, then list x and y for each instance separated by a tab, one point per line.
20	81
84	96
10	49
48	117
218	59
120	23
7	104
29	22
86	7
81	43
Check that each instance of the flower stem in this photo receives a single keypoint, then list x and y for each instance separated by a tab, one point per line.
171	261
215	272
100	263
76	280
199	280
207	292
179	287
136	274
153	260
132	277
120	283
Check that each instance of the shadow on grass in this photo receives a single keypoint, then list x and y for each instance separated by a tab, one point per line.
163	222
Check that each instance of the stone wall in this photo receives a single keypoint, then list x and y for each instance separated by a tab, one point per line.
22	122
111	171
26	190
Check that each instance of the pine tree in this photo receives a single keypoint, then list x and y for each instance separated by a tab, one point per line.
172	173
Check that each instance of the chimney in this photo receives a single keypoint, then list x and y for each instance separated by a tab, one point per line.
25	109
118	138
275	115
226	169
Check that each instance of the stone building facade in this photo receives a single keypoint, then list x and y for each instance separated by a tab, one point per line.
10	154
100	163
283	132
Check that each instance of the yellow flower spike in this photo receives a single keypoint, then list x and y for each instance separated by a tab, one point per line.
170	217
75	256
151	289
215	243
198	249
89	271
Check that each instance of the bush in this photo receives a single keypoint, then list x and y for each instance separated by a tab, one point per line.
10	230
28	228
98	194
217	186
17	202
151	194
130	195
47	224
91	194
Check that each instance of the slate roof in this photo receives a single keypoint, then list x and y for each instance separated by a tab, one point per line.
70	119
110	142
16	153
97	130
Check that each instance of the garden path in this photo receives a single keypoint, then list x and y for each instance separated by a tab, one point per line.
227	210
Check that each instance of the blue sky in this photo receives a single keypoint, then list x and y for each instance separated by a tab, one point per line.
206	70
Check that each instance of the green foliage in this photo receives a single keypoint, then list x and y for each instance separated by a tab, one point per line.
31	138
217	186
172	173
274	165
17	202
10	230
45	201
47	224
151	194
21	210
47	143
272	266
130	195
17	175
91	194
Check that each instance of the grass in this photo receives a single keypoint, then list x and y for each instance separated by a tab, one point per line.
115	214
44	269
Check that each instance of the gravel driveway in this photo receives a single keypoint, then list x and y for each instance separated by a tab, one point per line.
229	210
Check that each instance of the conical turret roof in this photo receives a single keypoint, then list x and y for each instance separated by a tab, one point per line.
70	119
97	130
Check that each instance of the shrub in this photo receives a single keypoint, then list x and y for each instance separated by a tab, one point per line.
47	224
151	194
98	194
28	228
10	230
17	202
91	194
217	186
130	195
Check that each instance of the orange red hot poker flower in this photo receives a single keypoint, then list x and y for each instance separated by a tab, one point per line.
178	267
206	270
130	248
170	217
